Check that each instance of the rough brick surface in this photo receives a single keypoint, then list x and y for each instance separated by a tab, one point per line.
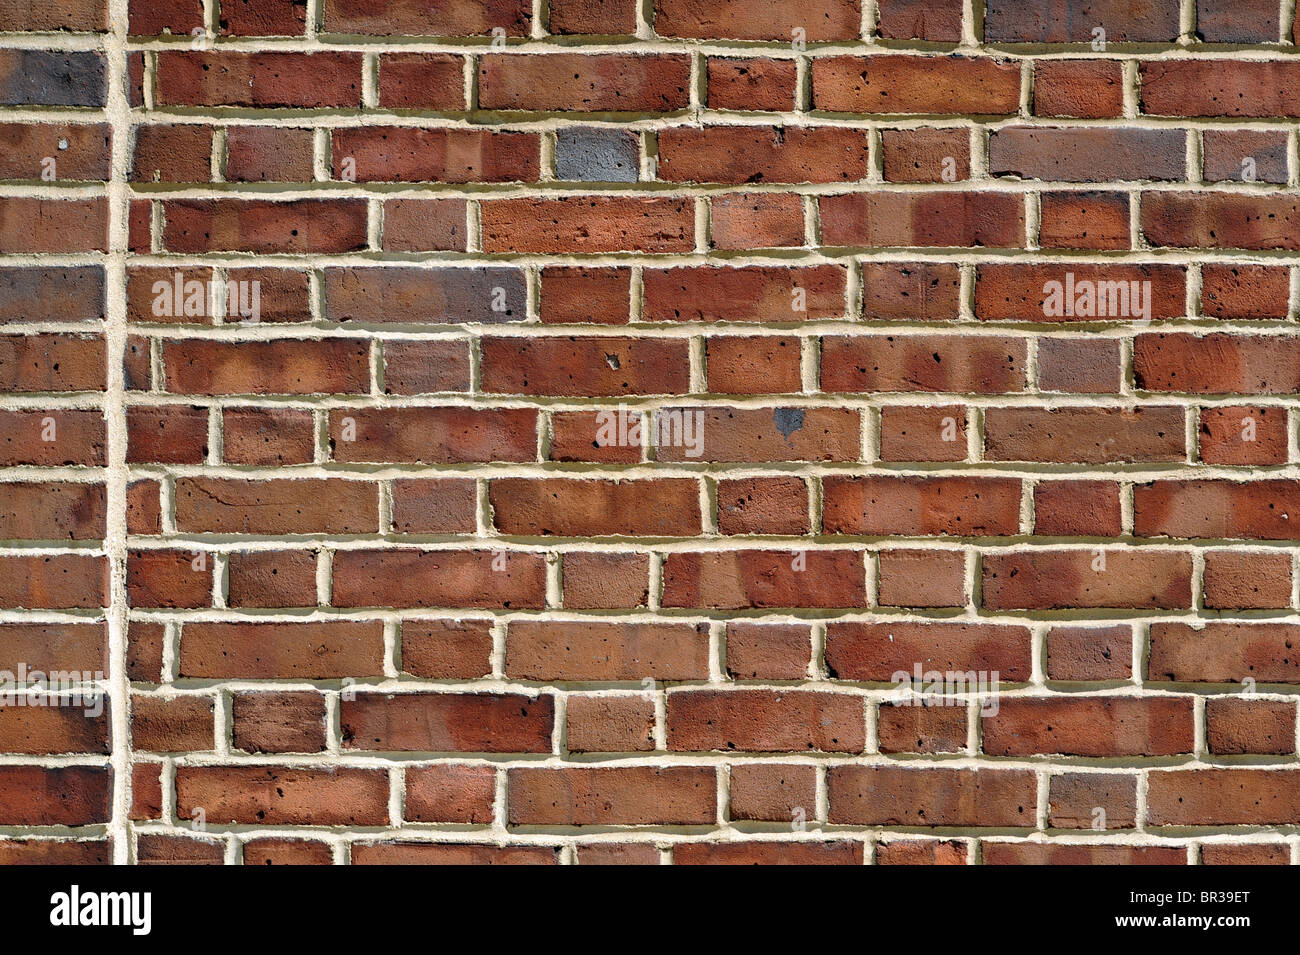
665	432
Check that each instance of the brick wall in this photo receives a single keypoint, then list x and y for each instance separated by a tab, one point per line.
550	432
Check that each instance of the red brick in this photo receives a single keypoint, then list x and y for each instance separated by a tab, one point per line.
168	434
446	649
747	294
751	83
604	17
1089	653
450	578
434	506
1243	435
60	581
1072	21
1217	363
1090	726
938	20
448	722
1245	581
269	154
54	796
922	729
1204	88
280	796
53	511
576	294
317	226
1222	797
757	651
925	155
606	651
588	224
1025	292
610	724
1077	509
1234	726
923	434
769	852
1085	435
1244	291
762	220
52	363
171	724
772	792
425	225
306	651
433	435
937	363
821	20
53	437
922	506
286	366
172	153
79	152
536	507
740	580
266	436
911	577
1221	220
169	578
1079	365
605	581
882	652
450	793
1074	799
1243	155
915	84
593	83
1223	652
277	506
262	80
417	18
625	795
893	795
1089	89
765	721
261	578
1083	220
287	852
776	505
954	219
407	154
747	154
434	81
1045	579
53	225
1211	508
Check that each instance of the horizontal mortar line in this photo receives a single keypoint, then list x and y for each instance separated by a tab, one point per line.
847	401
1009	50
378	471
872	46
737	833
695	615
819	255
338	190
705	117
664	545
460	331
921	762
190	687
